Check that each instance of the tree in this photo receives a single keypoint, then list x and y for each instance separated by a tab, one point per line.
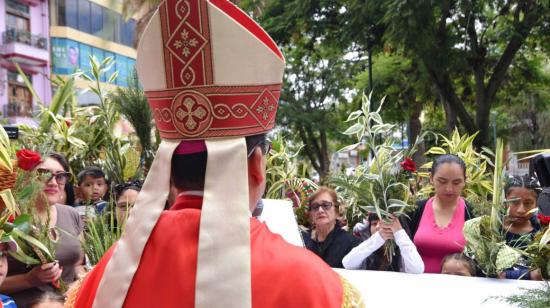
478	38
319	75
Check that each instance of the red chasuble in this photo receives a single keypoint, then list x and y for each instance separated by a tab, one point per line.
283	275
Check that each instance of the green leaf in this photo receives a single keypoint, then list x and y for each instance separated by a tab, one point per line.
354	129
23	218
20	256
349	147
33	241
28	84
354	115
8	199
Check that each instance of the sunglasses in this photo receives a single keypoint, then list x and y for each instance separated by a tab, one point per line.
60	177
326	205
265	146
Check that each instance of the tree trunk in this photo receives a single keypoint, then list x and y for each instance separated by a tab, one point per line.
414	129
450	115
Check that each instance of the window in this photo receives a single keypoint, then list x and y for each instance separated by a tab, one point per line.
97	19
17	22
19	96
84	16
71	13
122	68
61	21
117	27
17	16
128	32
17	7
108	25
94	19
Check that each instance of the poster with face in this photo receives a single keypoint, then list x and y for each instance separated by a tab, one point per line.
73	56
64	56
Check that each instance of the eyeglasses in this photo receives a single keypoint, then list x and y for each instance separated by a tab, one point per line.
60	177
326	205
265	146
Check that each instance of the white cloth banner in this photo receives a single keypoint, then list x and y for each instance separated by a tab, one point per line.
390	289
279	218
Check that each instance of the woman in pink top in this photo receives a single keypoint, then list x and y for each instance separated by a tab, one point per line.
437	223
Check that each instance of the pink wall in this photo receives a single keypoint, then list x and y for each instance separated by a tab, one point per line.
39	23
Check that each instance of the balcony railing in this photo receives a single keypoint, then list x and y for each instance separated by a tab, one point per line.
24	37
17	109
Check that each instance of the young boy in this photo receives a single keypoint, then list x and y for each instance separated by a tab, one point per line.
92	186
6	245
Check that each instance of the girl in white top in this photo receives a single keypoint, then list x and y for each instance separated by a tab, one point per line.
370	253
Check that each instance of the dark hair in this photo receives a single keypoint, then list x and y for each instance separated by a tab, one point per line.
525	181
188	171
462	258
61	159
47	296
69	189
448	159
91	171
372	217
119	189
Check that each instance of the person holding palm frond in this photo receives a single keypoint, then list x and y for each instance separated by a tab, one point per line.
520	224
370	254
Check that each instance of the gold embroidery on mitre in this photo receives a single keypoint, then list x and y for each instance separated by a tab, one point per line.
191	113
264	108
352	296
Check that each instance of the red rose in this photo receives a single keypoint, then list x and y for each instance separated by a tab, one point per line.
408	165
544	220
27	159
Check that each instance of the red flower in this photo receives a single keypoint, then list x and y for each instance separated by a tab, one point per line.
544	220
68	122
27	159
11	218
408	165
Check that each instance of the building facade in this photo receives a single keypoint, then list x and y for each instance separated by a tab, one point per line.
83	28
25	42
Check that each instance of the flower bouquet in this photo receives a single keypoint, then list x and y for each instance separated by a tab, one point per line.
383	185
35	240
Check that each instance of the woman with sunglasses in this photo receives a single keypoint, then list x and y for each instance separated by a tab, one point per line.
327	239
24	284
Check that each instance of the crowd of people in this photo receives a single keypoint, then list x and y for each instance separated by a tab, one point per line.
66	208
430	239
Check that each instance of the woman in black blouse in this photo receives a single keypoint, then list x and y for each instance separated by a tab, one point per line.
326	238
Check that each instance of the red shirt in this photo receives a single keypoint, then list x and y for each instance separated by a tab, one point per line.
283	275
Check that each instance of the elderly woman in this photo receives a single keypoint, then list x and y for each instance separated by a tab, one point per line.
25	284
327	239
